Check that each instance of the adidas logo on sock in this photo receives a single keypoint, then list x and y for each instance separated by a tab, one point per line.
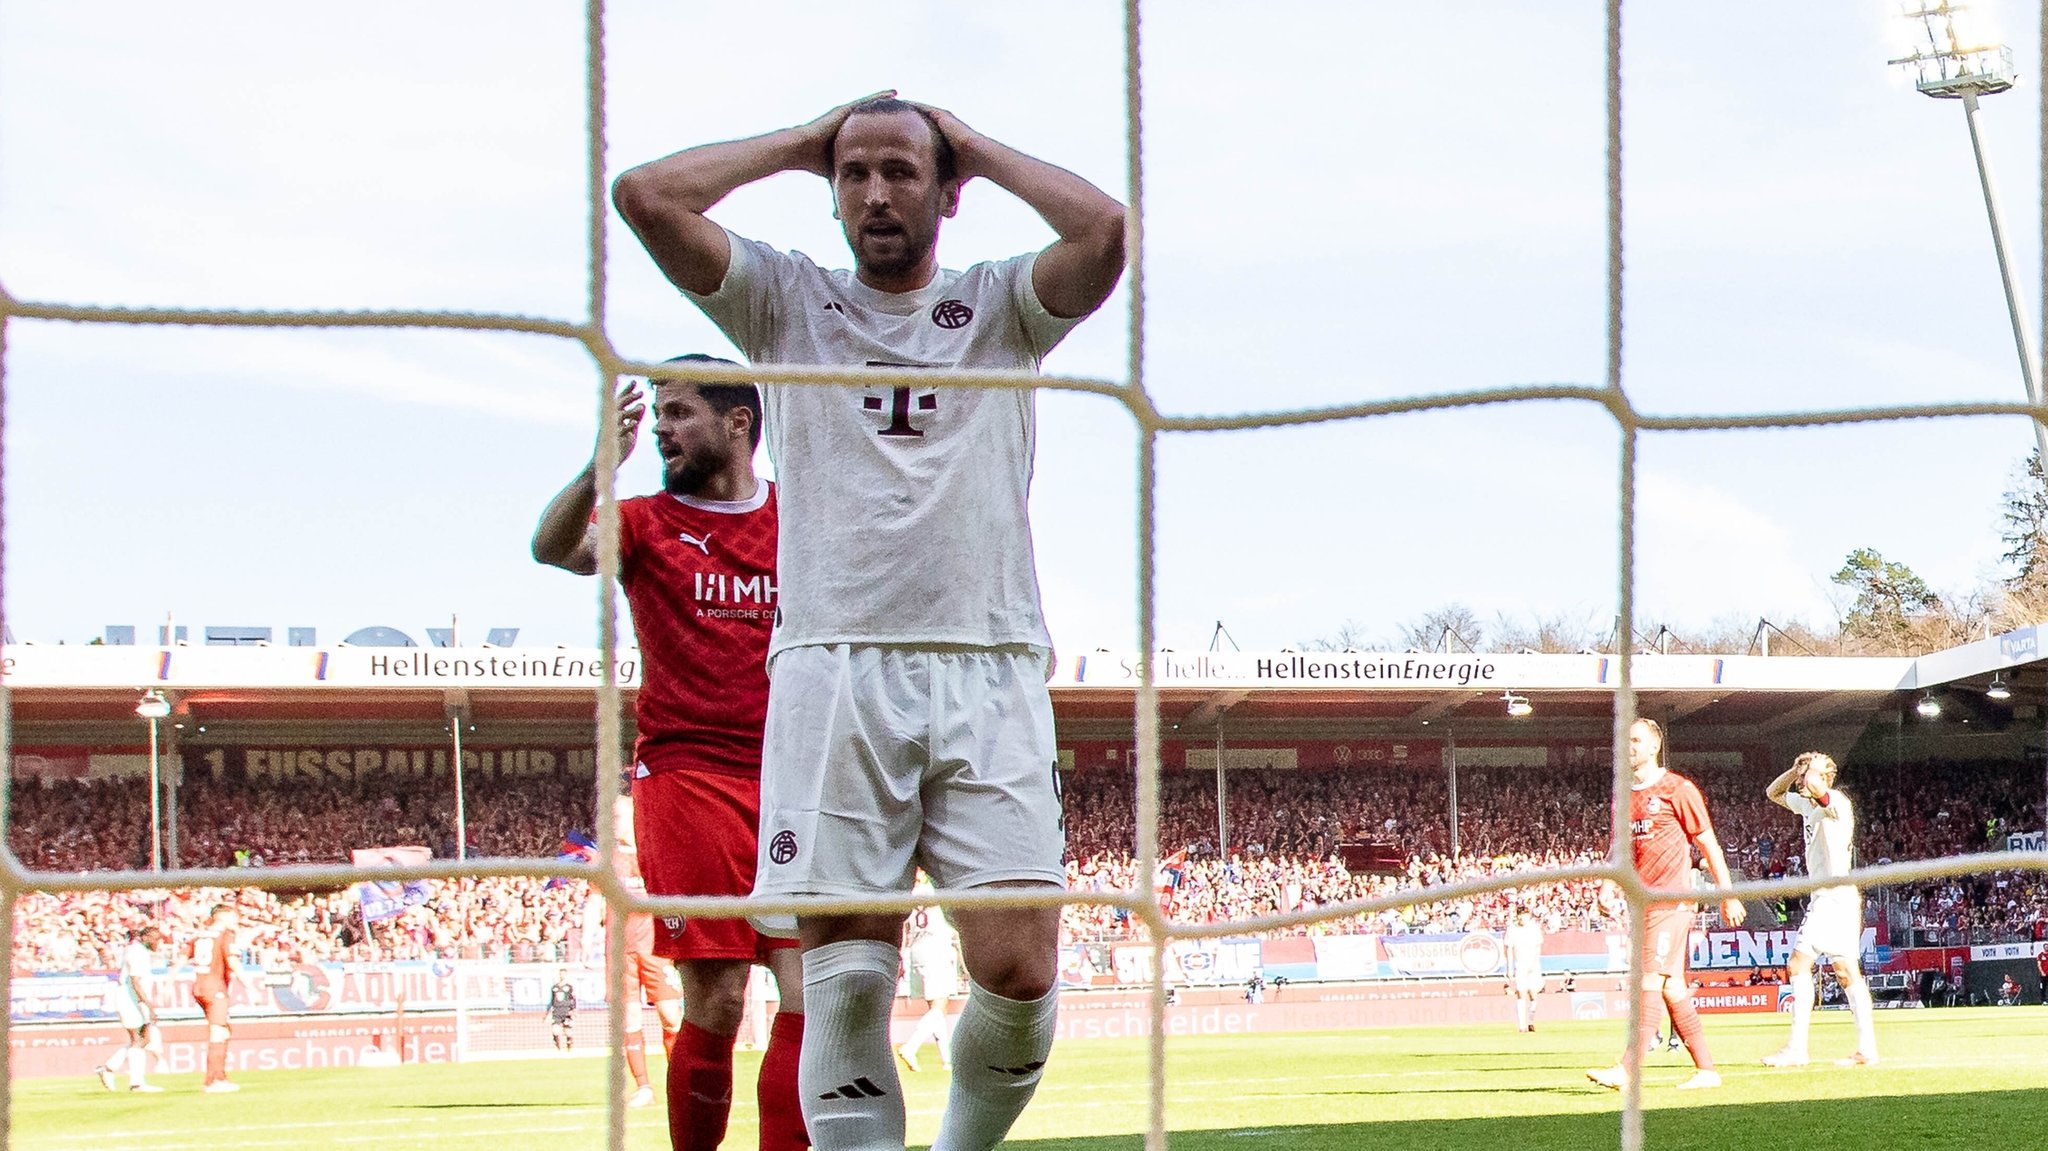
1026	1069
861	1088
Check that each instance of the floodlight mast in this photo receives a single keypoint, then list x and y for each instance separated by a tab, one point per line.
1949	69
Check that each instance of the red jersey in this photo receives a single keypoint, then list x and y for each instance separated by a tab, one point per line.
1664	817
699	576
210	957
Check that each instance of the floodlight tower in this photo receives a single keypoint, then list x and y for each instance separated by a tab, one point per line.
1952	68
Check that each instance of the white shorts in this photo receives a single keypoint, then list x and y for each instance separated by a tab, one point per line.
877	761
129	1012
1528	982
937	980
1833	925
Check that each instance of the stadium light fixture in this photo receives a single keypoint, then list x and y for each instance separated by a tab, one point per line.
1928	707
154	707
1518	705
1999	689
1949	64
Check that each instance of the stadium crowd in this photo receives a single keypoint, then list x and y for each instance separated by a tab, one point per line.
1285	830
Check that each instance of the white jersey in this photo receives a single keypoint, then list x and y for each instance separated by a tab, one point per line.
931	938
1525	947
905	511
1830	831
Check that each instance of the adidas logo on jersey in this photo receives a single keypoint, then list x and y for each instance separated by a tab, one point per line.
861	1088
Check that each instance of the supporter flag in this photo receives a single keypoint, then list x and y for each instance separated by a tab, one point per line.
576	848
1171	868
382	899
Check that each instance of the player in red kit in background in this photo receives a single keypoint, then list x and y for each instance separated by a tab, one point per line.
210	958
697	563
1667	819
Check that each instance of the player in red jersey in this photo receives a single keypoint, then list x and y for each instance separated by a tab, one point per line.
1667	819
697	563
647	978
210	953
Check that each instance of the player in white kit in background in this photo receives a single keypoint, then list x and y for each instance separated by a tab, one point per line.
1834	915
1525	966
135	1005
908	720
930	951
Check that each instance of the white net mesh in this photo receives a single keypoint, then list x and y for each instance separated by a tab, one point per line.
1141	905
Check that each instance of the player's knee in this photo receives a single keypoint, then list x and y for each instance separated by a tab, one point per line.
1017	975
217	1033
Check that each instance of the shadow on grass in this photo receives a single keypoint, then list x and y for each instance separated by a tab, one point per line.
1962	1122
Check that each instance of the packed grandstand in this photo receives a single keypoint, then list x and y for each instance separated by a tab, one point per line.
1285	828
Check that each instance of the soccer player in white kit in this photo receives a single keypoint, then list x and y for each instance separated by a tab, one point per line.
135	1006
930	954
1525	966
1834	915
908	720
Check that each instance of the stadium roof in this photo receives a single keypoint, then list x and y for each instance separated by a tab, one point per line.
78	692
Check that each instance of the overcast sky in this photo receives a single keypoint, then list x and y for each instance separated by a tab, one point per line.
1344	200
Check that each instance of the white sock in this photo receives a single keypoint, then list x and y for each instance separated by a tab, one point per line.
927	1027
999	1048
115	1060
852	1099
1521	1012
1866	1027
138	1065
1802	1010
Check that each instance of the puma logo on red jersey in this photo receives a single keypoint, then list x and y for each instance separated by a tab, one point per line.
702	545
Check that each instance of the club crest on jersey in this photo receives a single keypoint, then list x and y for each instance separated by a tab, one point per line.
782	848
952	314
702	545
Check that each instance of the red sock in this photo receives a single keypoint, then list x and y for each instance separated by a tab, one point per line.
1653	1018
782	1112
636	1060
216	1060
1686	1022
699	1089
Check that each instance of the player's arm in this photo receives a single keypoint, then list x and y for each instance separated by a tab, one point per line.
1778	788
1078	271
566	538
1717	865
664	200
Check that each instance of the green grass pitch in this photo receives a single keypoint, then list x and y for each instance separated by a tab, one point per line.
1972	1078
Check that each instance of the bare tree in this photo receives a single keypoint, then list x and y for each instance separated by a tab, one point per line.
1549	634
1451	627
1349	636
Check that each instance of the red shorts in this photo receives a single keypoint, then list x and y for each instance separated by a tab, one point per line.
215	1005
697	832
1667	938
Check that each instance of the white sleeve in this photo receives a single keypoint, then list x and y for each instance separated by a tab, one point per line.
1042	330
1799	804
745	305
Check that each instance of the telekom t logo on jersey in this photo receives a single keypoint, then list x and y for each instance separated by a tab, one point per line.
899	404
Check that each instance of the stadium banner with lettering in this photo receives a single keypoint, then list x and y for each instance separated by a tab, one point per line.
1994	952
1467	954
315	989
111	666
1190	961
2027	841
1745	948
342	763
1347	956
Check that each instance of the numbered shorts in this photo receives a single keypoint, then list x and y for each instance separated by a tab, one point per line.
1667	939
696	832
1833	925
881	760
